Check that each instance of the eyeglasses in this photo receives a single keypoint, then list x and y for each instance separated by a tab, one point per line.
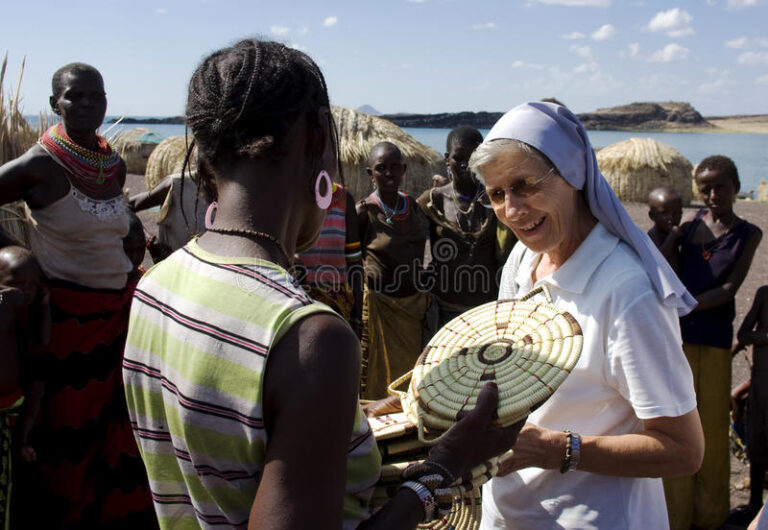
522	189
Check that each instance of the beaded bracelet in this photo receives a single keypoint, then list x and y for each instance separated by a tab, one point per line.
436	478
572	451
425	497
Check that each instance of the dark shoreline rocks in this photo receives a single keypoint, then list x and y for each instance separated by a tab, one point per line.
644	116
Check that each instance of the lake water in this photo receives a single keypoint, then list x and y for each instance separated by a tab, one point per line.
748	151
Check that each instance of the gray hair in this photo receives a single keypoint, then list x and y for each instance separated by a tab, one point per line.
487	152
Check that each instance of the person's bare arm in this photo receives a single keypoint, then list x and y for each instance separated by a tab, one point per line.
726	292
310	422
19	177
150	198
747	333
666	447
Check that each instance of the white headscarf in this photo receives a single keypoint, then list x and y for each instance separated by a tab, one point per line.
555	131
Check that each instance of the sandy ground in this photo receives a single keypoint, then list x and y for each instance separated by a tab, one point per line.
757	124
755	212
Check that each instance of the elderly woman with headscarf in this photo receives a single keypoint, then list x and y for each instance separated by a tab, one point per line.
590	457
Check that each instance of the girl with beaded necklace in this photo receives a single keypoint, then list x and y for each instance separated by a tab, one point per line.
393	236
71	182
243	389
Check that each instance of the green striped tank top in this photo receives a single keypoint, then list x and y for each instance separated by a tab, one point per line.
200	331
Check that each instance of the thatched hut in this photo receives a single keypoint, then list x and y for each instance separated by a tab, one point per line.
636	166
359	132
762	191
166	159
135	146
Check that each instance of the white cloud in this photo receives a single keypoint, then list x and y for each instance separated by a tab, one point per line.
303	31
762	42
762	80
517	64
581	51
605	32
634	49
713	71
330	21
578	3
741	42
712	87
161	11
585	67
674	23
741	4
417	1
753	58
669	53
487	25
280	30
573	36
299	47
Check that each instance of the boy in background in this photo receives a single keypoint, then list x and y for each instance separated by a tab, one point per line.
754	331
665	208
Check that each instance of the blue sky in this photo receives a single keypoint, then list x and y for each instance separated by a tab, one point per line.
412	55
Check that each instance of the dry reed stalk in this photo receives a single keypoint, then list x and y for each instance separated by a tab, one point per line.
762	191
636	166
16	137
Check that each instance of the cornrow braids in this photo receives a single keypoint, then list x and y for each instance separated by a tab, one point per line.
242	100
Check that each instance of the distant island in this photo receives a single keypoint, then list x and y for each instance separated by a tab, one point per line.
171	120
669	116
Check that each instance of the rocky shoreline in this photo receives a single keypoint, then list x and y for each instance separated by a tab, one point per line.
668	116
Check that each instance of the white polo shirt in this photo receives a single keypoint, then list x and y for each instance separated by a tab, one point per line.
632	367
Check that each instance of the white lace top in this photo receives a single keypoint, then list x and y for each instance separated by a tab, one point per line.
80	239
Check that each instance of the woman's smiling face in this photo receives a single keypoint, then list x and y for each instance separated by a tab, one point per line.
545	219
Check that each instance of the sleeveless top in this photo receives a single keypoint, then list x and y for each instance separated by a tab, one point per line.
201	330
393	260
711	327
326	262
80	239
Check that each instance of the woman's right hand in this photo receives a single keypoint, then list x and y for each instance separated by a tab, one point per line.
475	439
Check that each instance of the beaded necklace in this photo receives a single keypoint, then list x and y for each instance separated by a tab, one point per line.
392	214
93	171
254	234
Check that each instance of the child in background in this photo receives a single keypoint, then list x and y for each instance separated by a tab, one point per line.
665	208
135	246
24	316
754	331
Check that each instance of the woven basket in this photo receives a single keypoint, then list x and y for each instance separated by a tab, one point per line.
527	348
168	158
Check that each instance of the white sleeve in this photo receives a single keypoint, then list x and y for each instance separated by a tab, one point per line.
645	359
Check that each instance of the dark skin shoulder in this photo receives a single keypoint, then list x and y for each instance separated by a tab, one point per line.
39	181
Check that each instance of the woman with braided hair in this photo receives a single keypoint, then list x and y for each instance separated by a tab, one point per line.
71	183
242	389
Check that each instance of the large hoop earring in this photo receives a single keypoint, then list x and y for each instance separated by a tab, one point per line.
210	214
323	200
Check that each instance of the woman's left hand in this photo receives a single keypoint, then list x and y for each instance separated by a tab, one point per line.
535	447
